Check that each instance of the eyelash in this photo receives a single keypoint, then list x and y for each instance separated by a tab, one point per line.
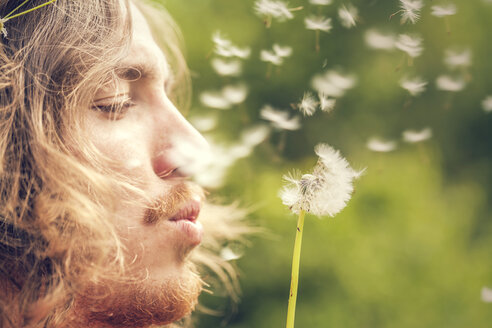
115	109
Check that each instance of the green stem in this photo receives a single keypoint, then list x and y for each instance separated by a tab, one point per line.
317	41
13	11
27	11
296	258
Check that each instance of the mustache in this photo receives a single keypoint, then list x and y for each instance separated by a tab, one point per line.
168	204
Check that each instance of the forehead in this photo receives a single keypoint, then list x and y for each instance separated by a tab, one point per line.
144	53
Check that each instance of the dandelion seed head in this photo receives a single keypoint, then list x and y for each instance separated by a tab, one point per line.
319	23
377	40
413	136
411	45
348	16
444	10
449	83
326	191
381	146
273	8
308	104
487	104
410	10
414	86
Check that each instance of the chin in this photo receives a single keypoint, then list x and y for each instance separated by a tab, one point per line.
142	302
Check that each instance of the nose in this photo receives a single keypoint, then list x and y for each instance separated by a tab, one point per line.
179	147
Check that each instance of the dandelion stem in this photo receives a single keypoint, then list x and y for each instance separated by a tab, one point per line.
26	11
13	11
317	41
296	258
296	8
269	71
448	25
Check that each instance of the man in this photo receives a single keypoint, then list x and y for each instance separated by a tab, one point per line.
99	219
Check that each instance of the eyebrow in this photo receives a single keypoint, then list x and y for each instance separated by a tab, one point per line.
136	71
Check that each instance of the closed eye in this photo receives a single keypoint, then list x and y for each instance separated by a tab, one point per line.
114	110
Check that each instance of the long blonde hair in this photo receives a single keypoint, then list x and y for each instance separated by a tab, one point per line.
56	230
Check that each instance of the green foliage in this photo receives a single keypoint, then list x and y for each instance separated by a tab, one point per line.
413	247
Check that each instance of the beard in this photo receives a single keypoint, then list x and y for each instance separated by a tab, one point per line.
136	300
140	303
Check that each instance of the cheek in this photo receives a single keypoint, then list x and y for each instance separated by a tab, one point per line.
124	146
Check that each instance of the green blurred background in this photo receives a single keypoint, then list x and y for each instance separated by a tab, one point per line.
414	246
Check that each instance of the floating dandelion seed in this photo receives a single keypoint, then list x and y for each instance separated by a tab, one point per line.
410	45
413	136
332	83
271	57
282	51
348	16
457	59
276	9
381	146
317	24
444	10
377	40
280	119
229	95
227	67
204	123
225	48
235	94
276	55
414	86
325	191
228	254
326	104
219	40
209	165
214	99
321	2
486	295
487	104
448	83
410	10
233	51
255	135
308	104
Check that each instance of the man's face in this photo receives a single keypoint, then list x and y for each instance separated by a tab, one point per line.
134	124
